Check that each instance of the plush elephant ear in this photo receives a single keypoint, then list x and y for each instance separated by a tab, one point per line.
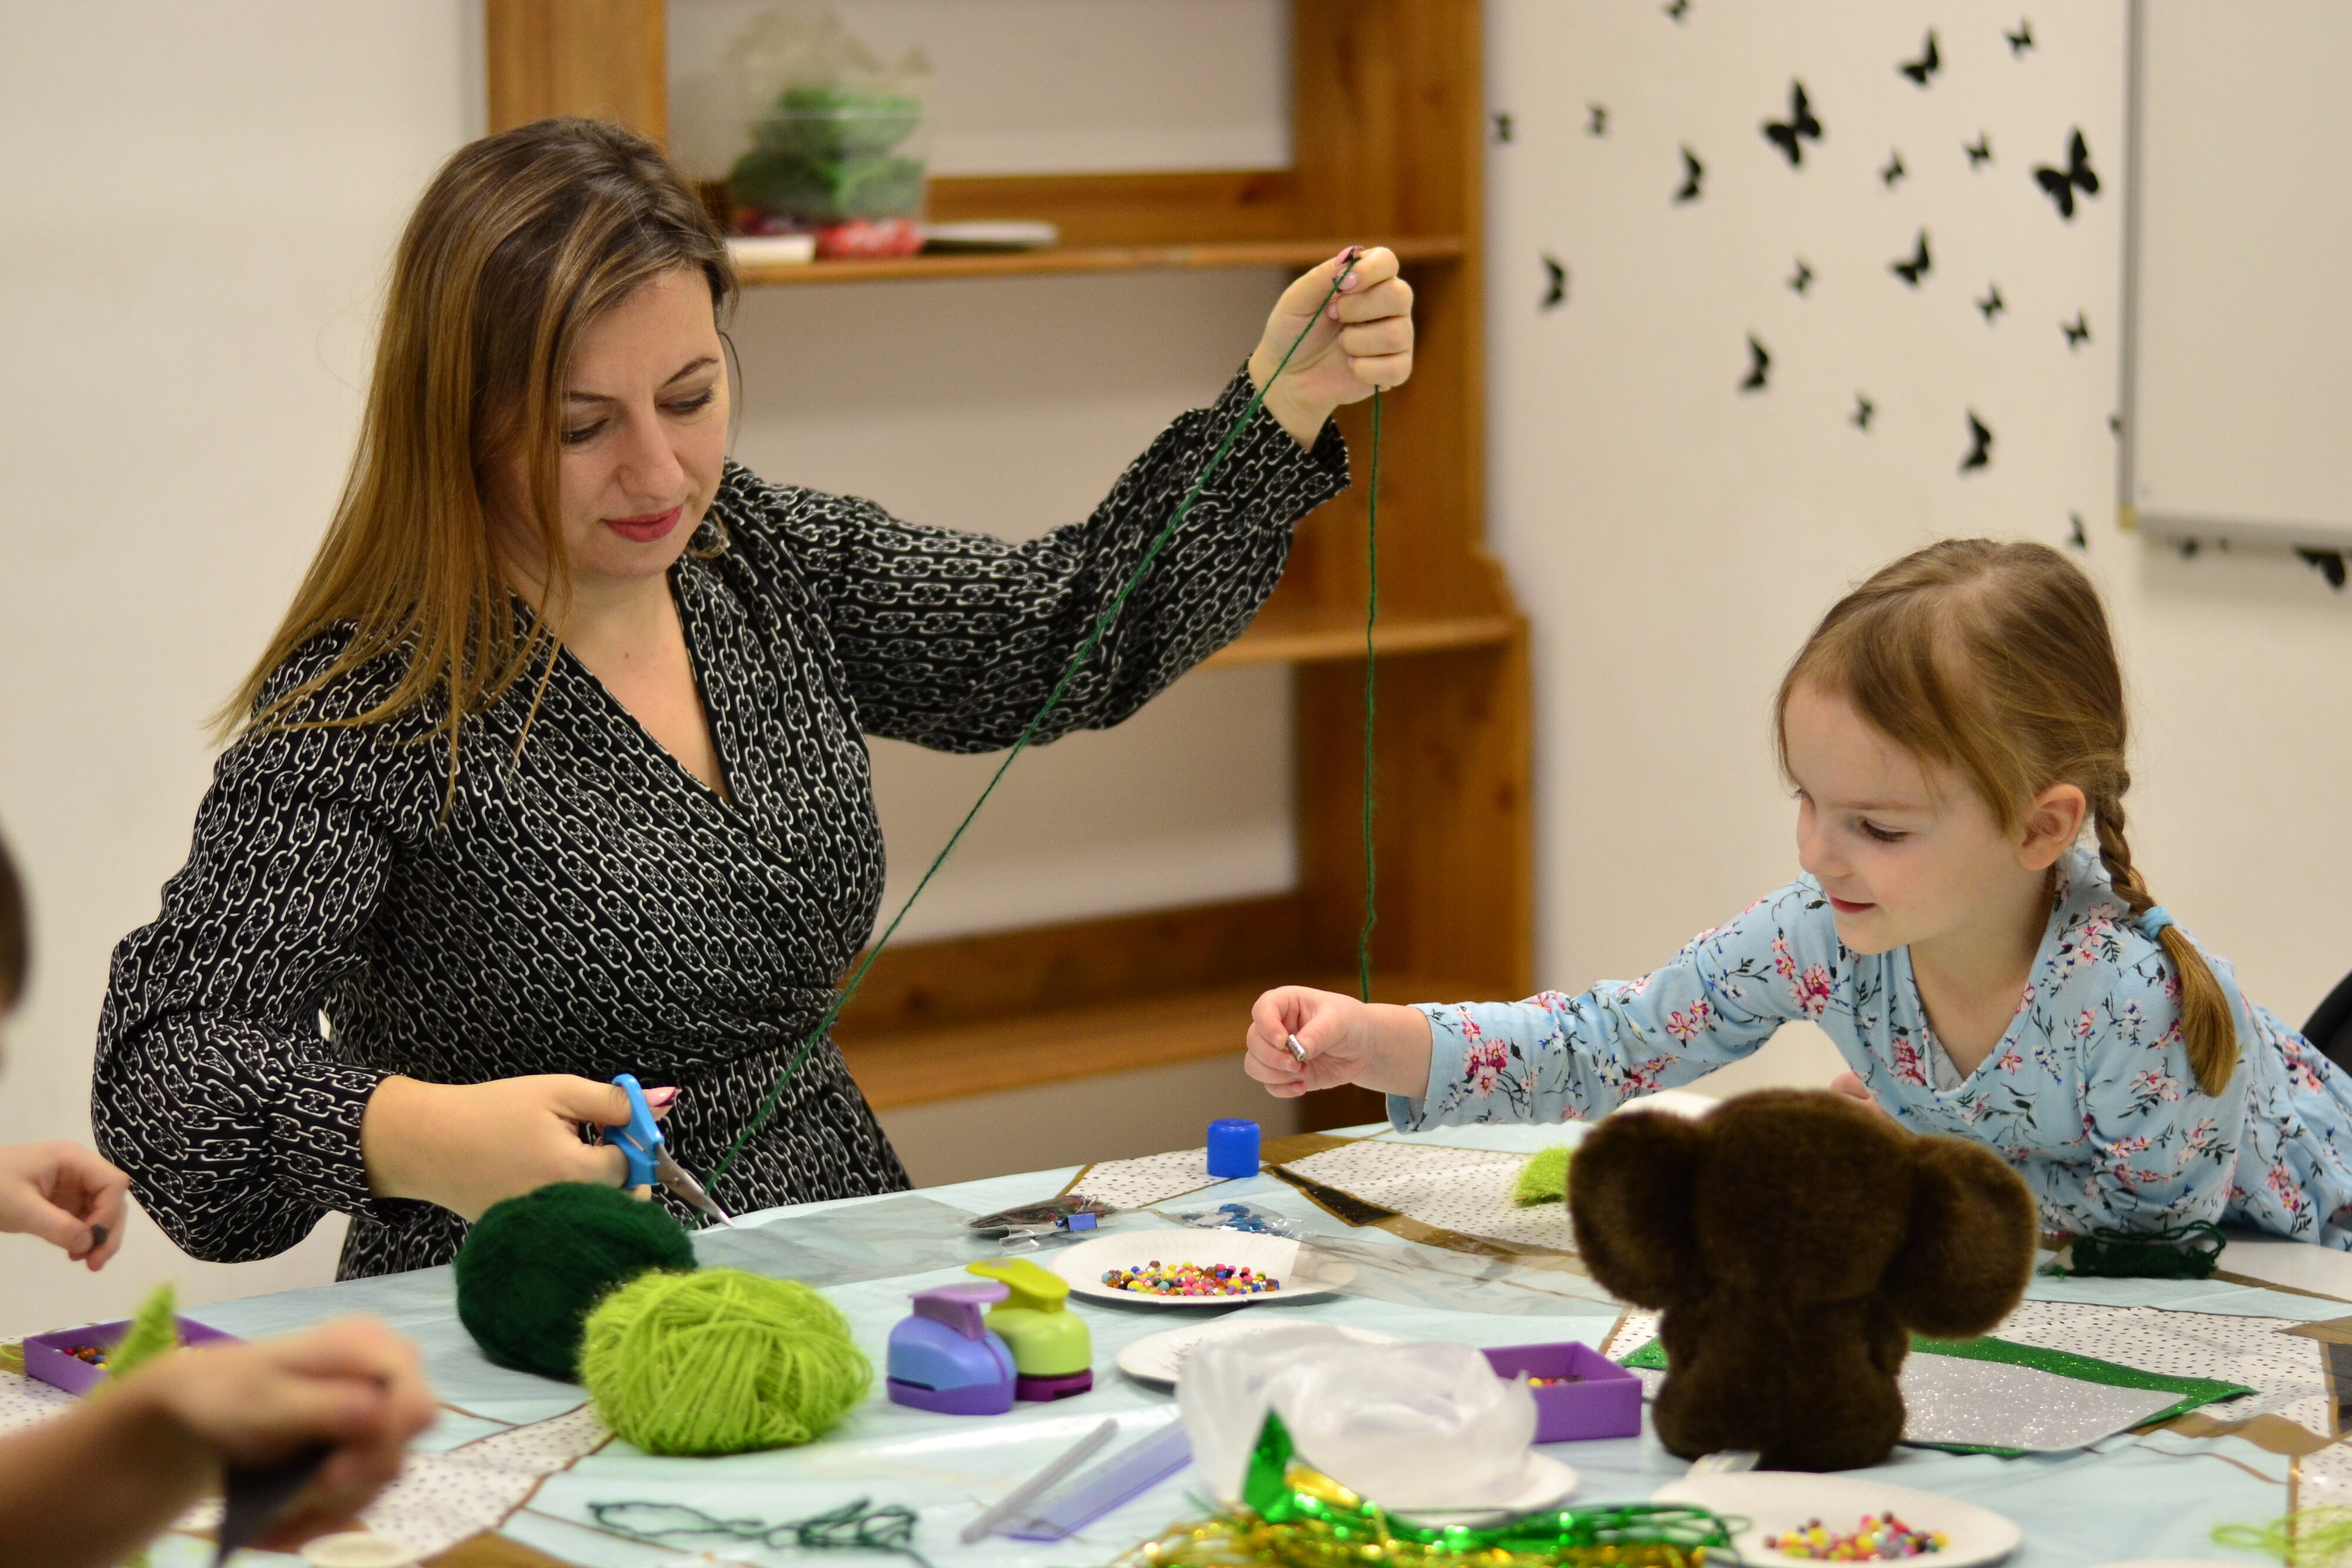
1970	1248
1629	1195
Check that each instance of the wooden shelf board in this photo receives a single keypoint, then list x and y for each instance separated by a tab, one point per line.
950	1061
1292	644
1092	258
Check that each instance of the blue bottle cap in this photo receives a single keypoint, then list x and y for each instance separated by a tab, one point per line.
1232	1147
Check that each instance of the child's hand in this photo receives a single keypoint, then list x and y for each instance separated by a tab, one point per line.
1345	1041
353	1383
65	1195
1850	1085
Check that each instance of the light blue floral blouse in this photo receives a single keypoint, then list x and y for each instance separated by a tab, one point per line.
2088	1095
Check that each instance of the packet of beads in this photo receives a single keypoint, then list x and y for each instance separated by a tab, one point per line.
835	135
1428	1424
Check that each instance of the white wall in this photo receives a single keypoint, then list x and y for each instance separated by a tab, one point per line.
1674	538
197	206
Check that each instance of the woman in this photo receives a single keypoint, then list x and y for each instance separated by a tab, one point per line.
130	1463
555	769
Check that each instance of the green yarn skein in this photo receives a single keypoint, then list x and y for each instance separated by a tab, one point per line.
721	1362
533	1266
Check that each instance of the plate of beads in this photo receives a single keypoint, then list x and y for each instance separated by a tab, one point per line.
1184	1268
1794	1517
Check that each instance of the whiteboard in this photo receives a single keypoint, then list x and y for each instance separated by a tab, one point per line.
2238	359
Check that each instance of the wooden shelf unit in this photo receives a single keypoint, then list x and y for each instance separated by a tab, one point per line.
1387	143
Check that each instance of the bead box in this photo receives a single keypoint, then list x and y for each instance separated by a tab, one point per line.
51	1357
1602	1399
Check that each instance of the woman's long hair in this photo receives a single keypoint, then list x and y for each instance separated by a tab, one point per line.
522	240
1994	660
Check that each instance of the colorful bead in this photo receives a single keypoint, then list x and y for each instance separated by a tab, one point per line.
1156	1279
1880	1540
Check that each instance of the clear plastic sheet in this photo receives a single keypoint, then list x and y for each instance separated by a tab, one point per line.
1429	1422
905	1234
889	1237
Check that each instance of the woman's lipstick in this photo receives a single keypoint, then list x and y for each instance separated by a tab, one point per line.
645	530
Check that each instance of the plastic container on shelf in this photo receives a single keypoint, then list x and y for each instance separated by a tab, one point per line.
837	138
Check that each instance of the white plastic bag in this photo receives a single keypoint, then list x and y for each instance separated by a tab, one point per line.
1426	1425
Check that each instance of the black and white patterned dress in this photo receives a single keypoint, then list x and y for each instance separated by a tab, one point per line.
592	907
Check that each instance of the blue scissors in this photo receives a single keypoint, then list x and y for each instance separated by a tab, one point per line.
639	1139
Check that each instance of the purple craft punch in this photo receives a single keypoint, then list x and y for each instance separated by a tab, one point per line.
944	1358
1598	1399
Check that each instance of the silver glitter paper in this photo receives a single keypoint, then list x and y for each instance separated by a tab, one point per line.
1992	1404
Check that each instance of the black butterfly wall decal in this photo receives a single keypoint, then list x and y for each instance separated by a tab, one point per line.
1760	367
2116	426
1693	173
2188	547
1676	8
1979	444
1991	304
2328	563
2074	534
2078	331
1863	409
1928	63
2077	175
1502	128
1802	279
1979	152
1893	170
1790	135
1556	284
1918	267
2020	40
1599	124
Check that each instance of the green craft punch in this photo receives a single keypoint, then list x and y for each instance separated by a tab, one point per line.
1053	1353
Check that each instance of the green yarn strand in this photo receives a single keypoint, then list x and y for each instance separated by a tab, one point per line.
2314	1538
720	1362
1371	615
1077	660
854	1526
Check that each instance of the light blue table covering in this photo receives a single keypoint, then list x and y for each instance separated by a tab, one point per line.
2131	1497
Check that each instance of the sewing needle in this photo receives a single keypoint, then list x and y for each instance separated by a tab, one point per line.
1021	1497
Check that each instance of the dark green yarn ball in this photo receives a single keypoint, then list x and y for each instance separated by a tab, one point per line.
533	1266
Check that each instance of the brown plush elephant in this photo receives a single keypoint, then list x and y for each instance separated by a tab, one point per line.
1795	1238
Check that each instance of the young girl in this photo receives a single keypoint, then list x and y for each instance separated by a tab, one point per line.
1951	727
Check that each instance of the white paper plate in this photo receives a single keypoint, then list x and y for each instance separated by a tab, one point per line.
1777	1501
1547	1482
1084	1265
1160	1357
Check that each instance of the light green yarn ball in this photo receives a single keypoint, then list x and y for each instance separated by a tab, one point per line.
720	1362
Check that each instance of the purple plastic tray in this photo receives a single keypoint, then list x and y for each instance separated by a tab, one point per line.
1606	1404
47	1357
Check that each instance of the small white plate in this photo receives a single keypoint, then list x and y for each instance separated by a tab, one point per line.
1084	1265
1777	1501
1547	1482
1160	1357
